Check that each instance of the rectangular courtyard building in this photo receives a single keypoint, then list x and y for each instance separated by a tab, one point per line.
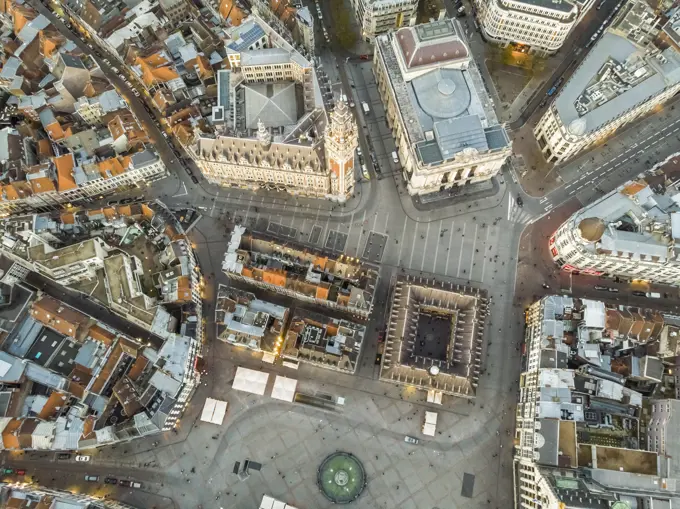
324	341
435	335
300	272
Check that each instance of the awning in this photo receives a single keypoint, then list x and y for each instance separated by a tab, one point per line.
249	380
284	388
271	503
269	358
434	397
214	411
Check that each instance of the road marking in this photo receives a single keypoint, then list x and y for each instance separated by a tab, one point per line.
361	230
448	251
248	210
401	239
181	194
460	256
509	205
325	232
544	199
375	218
351	224
551	206
387	217
212	210
427	236
474	247
436	251
486	241
410	260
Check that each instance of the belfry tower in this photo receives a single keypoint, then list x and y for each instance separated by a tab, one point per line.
340	142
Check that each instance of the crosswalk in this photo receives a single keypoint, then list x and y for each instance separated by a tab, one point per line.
517	214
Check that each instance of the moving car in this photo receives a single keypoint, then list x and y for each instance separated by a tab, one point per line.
91	478
82	458
613	290
411	440
638	293
520	201
653	295
364	172
601	288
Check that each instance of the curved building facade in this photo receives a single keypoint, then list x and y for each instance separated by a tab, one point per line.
541	25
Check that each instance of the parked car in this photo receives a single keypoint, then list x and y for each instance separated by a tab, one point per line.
378	359
21	471
8	471
82	458
64	456
188	170
124	484
601	288
411	440
194	179
395	157
638	293
135	484
92	478
110	480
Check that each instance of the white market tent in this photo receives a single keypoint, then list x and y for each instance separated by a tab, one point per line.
271	503
430	425
434	397
214	411
249	380
284	388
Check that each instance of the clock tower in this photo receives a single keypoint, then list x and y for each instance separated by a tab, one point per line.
340	143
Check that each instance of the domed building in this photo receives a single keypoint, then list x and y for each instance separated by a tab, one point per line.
629	233
442	119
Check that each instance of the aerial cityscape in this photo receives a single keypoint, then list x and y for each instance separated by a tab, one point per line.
414	254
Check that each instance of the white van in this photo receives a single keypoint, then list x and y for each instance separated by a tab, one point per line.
395	157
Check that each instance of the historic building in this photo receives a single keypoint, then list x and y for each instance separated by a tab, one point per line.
271	129
616	83
441	116
379	16
628	233
541	26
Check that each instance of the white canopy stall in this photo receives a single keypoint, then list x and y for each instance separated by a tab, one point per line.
214	411
249	380
430	424
284	388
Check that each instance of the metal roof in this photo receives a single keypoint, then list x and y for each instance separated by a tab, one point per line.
274	104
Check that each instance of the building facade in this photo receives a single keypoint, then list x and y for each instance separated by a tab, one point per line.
623	234
616	83
441	117
272	128
379	16
73	182
541	26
